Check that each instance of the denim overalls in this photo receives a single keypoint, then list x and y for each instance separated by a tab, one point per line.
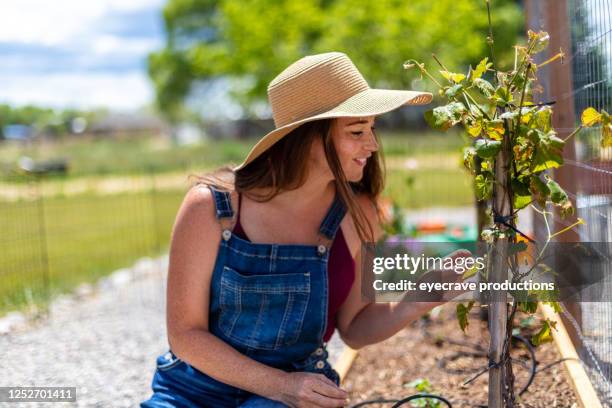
268	301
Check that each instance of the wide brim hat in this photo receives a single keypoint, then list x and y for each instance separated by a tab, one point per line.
325	86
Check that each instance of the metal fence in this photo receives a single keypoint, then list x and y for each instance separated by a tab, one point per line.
583	28
56	235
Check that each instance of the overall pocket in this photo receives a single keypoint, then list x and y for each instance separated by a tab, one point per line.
167	361
263	311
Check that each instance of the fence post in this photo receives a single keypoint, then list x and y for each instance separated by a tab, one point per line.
154	210
44	249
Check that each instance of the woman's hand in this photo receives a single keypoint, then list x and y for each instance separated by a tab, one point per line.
448	275
305	390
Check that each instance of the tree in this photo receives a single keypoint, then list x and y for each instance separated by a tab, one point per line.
250	42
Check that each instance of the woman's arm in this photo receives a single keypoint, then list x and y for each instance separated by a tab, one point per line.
193	251
361	321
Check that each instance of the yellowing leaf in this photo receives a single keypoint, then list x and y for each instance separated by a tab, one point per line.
475	129
538	41
495	129
470	272
544	335
525	119
452	76
590	117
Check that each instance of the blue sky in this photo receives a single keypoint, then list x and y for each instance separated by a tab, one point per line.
78	53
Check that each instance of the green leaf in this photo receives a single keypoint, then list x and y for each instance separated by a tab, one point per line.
539	189
452	91
521	201
486	148
538	186
484	86
444	117
543	118
528	307
452	76
462	314
555	142
503	96
522	194
519	187
420	384
468	158
481	68
557	194
484	187
549	150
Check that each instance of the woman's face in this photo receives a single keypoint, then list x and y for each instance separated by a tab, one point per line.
355	142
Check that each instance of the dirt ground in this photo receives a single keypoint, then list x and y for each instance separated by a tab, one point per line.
427	349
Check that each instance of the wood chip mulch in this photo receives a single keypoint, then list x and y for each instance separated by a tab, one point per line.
428	348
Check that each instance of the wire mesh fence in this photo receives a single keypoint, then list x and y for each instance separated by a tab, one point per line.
584	29
65	234
60	234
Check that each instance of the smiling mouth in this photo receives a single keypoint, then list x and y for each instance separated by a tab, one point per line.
361	162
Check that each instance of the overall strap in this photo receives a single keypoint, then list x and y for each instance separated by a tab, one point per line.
331	223
223	203
223	210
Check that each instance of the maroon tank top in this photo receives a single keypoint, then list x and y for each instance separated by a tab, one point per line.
340	276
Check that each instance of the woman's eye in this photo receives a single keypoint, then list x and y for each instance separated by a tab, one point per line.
361	133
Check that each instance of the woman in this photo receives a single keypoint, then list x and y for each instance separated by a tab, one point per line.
265	257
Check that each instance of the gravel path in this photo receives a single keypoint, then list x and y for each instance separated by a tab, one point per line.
103	341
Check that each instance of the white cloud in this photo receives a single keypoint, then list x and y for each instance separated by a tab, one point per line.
73	54
55	22
111	44
124	92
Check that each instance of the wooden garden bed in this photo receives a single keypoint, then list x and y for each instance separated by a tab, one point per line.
430	349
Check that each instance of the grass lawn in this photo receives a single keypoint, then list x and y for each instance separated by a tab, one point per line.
103	157
133	156
429	188
87	235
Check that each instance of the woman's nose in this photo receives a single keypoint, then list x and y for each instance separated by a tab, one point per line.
372	143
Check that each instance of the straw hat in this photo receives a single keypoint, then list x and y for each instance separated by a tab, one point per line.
325	86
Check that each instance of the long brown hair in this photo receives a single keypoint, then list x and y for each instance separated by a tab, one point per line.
273	172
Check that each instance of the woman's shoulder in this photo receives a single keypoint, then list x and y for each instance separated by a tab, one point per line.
198	209
199	196
202	203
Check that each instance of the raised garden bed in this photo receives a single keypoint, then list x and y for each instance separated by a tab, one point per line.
423	349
